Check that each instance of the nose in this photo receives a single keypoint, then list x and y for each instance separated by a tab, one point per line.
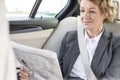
85	14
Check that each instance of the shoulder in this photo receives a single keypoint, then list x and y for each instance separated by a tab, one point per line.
111	36
115	36
71	36
115	39
71	33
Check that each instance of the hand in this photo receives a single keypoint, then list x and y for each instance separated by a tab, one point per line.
23	75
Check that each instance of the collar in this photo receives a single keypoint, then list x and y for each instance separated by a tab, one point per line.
94	39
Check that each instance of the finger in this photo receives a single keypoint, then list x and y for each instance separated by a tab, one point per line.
24	79
22	68
23	76
24	73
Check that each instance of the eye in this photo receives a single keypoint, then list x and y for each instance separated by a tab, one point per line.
92	12
82	10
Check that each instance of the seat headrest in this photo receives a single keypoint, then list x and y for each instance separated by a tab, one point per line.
113	27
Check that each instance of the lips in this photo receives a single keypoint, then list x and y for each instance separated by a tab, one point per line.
86	22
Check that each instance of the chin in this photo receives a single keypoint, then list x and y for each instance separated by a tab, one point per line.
86	27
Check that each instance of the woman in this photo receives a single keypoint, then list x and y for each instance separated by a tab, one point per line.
103	46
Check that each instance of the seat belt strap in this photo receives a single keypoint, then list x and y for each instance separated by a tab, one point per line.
83	50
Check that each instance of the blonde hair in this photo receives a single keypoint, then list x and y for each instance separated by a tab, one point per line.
106	6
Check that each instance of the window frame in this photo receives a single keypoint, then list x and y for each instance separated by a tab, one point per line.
59	16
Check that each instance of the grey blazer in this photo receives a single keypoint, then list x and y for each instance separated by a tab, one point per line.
106	60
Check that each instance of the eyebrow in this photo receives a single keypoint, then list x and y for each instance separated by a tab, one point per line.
90	8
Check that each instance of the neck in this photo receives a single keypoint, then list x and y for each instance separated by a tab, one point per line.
93	33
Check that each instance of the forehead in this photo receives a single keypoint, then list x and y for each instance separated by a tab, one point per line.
88	4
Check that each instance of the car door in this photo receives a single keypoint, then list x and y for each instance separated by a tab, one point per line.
36	27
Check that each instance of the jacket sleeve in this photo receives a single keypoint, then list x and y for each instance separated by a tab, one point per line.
62	51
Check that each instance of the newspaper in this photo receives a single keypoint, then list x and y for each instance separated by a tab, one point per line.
40	64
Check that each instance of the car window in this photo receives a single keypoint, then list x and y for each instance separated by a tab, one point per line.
50	8
22	8
19	8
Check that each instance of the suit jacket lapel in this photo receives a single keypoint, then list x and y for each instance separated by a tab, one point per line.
104	40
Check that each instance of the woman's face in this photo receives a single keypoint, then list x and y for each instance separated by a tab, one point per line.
91	16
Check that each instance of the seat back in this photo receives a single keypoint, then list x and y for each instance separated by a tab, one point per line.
113	27
54	42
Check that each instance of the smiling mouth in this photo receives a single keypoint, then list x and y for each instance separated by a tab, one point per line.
86	23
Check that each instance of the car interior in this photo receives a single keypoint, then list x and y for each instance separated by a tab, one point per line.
46	36
35	32
47	33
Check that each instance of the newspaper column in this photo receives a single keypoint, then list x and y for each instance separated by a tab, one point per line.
7	64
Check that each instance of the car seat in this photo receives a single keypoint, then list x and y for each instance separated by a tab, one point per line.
54	42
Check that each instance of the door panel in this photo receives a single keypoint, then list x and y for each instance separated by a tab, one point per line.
32	32
34	39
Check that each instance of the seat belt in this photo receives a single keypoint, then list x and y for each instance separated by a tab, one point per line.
83	50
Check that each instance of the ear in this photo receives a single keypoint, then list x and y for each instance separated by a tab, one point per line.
106	15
